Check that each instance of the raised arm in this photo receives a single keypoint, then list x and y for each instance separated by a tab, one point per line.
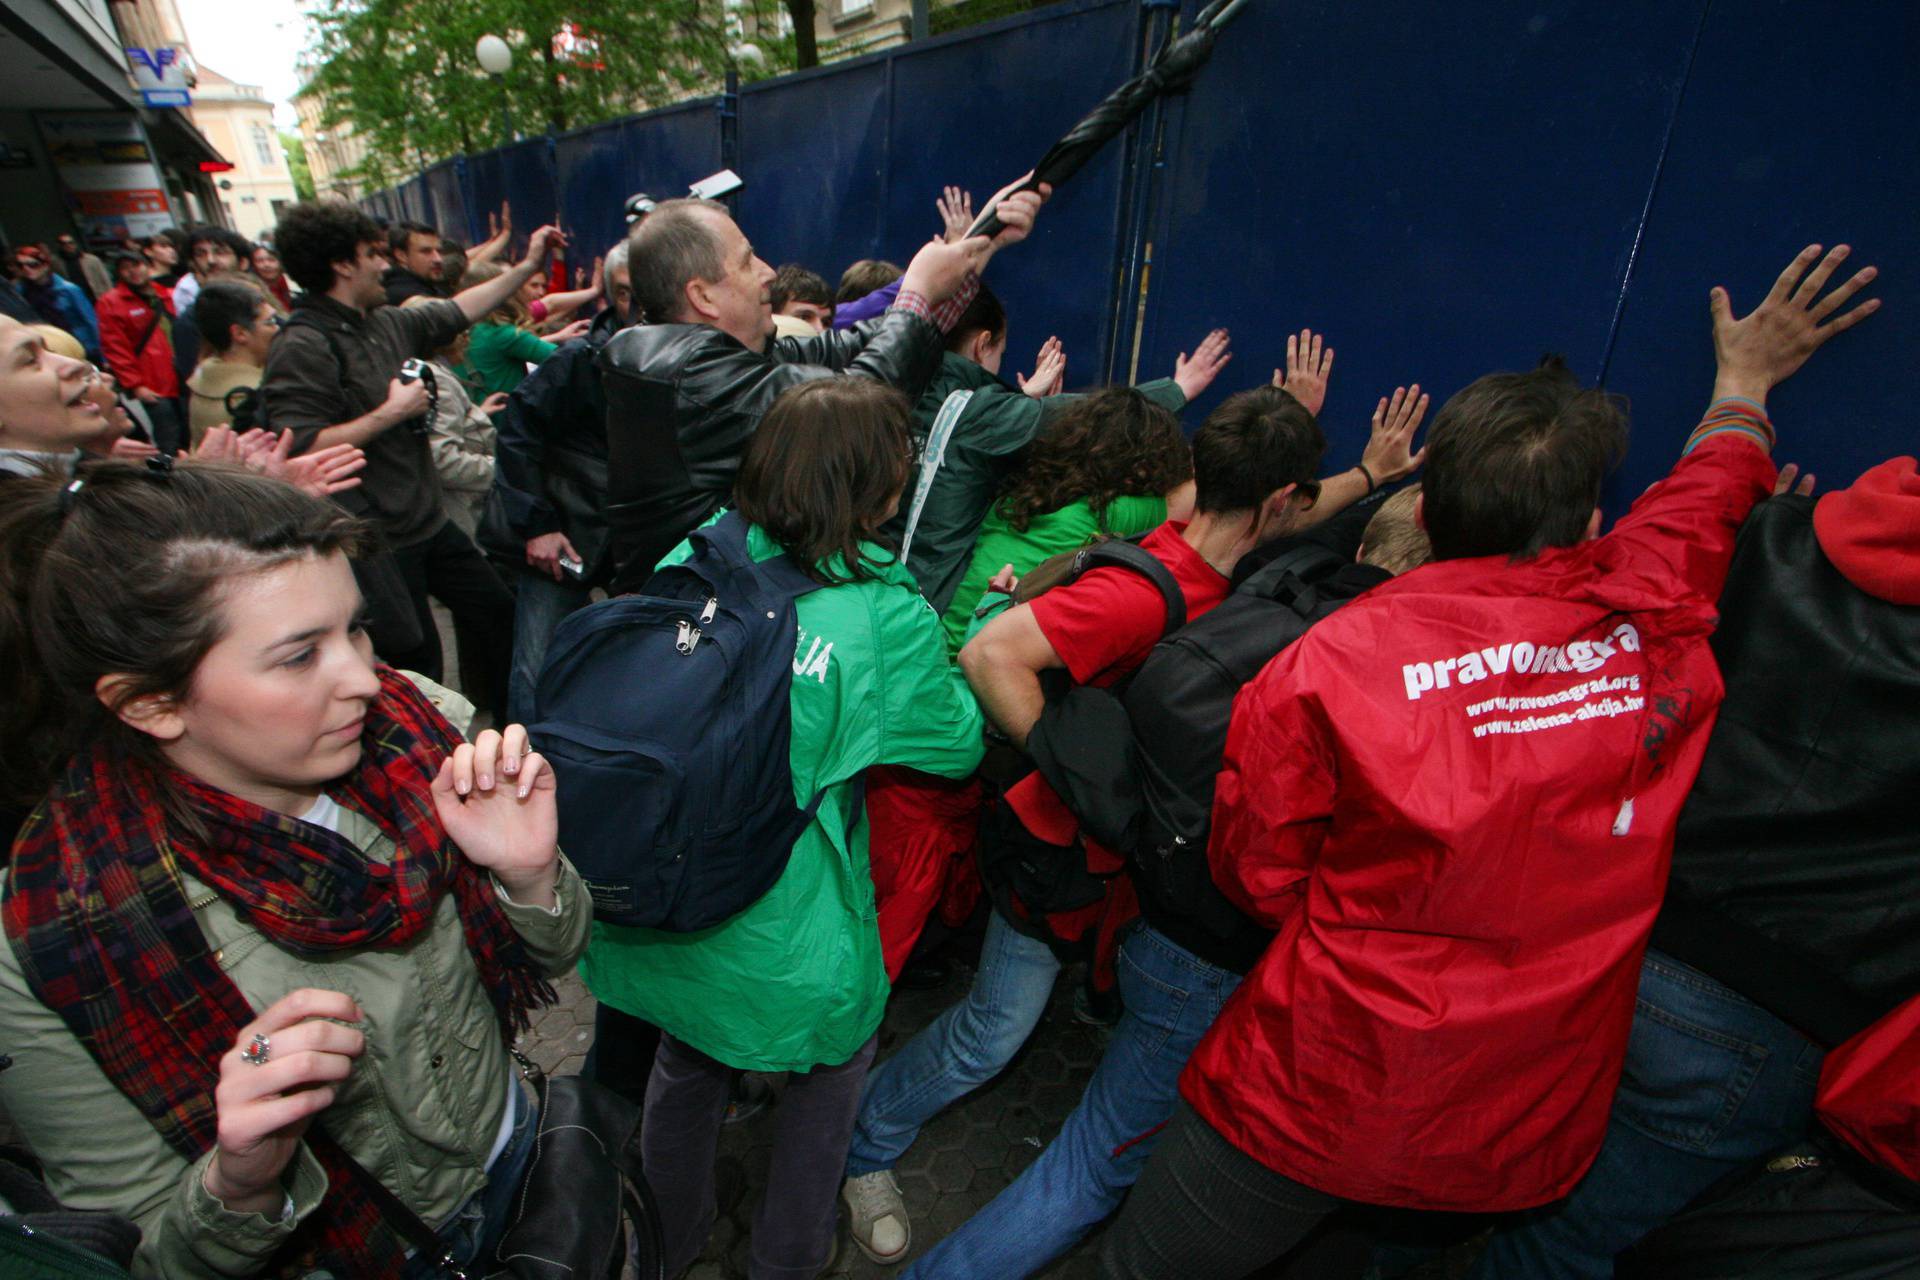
562	304
480	300
1755	354
1389	455
496	243
1690	520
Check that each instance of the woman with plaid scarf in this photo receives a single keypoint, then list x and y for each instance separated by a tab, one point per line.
272	924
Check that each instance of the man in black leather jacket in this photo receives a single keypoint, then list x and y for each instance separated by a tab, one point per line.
547	513
686	390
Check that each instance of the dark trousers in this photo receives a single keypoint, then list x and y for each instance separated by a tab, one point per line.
795	1223
1204	1208
448	567
622	1055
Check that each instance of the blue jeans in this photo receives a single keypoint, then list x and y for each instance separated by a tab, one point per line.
1712	1083
1171	996
539	607
475	1229
958	1051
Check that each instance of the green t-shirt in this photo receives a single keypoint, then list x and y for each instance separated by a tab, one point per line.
499	355
1068	529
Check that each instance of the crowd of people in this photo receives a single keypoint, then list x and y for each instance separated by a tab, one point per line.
1438	858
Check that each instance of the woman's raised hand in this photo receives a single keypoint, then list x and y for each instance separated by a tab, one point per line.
282	1071
496	800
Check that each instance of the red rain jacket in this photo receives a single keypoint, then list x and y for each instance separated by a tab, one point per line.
125	319
1455	800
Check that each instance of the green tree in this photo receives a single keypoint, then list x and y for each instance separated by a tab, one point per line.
404	71
296	148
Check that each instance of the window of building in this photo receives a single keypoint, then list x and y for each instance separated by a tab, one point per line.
263	146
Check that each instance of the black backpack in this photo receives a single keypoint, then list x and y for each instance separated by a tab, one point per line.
1179	705
1138	768
1027	878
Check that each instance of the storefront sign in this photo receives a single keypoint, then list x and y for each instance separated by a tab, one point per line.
161	75
107	172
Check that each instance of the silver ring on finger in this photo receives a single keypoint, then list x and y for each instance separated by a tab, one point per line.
256	1054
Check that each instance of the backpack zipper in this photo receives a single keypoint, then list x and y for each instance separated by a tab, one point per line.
689	634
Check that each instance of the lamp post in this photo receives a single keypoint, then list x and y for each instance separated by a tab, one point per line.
495	57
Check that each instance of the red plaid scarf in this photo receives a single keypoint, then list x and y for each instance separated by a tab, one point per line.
96	912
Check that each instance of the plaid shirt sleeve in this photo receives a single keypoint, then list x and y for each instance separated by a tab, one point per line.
945	315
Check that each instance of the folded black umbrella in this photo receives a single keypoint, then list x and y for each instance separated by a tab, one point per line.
1168	71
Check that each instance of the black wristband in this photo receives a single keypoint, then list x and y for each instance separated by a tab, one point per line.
1372	484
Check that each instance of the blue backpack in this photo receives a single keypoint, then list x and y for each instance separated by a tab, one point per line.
665	718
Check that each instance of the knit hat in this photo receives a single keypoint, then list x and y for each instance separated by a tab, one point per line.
1871	532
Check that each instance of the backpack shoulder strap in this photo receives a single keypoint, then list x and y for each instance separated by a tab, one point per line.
307	320
1127	553
931	456
1289	577
769	582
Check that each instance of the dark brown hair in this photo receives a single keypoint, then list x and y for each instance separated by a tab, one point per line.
794	283
1255	444
863	277
984	314
1515	462
121	577
315	234
1111	443
822	469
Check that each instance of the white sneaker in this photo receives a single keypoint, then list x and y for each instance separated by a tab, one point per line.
880	1226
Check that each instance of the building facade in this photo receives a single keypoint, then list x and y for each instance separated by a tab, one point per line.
849	28
333	152
81	153
238	120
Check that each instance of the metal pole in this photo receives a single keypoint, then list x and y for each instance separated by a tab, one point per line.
506	112
919	19
730	121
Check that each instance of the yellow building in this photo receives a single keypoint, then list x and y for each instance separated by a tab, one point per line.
238	120
331	149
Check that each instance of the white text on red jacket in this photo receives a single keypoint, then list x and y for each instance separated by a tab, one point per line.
1521	657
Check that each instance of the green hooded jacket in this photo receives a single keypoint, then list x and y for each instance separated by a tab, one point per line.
796	981
999	423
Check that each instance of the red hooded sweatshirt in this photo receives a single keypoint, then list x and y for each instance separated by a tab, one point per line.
1871	532
1870	1086
1455	800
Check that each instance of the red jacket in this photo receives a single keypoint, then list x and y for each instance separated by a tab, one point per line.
1455	801
1870	1091
124	317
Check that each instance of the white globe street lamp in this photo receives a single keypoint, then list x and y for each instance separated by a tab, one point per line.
495	56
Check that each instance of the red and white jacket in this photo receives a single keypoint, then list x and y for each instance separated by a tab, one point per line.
1455	800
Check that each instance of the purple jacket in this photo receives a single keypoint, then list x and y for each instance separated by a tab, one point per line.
849	314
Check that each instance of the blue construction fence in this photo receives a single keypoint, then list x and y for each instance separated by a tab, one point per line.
1442	190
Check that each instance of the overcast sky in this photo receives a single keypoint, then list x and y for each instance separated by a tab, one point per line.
251	43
